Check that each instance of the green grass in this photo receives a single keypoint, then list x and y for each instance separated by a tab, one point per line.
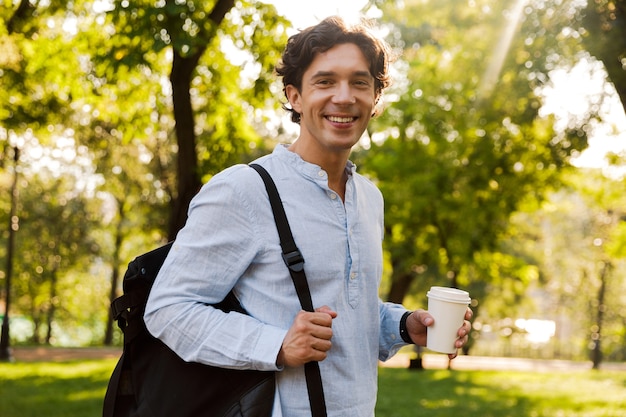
444	393
76	389
64	389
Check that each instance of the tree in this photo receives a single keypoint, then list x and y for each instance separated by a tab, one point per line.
136	130
9	255
35	61
127	128
216	131
32	100
463	145
605	198
56	225
575	238
136	195
604	36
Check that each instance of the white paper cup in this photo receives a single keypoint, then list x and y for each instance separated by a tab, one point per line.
448	307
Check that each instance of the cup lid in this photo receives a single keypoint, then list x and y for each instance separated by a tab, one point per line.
449	294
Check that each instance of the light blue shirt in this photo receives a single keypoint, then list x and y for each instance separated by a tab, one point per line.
230	242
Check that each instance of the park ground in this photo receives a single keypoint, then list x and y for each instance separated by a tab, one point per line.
430	361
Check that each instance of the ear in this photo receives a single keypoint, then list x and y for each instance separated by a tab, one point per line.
293	95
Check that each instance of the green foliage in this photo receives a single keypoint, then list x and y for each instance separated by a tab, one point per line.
461	150
212	98
573	238
617	241
32	97
102	78
53	242
462	147
604	36
234	96
223	96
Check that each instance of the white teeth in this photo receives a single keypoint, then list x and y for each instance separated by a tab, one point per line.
340	119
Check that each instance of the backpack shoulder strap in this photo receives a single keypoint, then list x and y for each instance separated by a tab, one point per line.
295	262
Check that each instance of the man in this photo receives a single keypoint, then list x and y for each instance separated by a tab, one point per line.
333	76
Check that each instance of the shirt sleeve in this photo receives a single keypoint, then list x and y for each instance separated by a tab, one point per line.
390	339
218	243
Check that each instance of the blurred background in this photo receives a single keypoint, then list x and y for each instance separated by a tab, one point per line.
500	153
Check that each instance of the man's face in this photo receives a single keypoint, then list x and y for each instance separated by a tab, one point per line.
337	98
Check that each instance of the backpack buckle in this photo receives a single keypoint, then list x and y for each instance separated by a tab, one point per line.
294	260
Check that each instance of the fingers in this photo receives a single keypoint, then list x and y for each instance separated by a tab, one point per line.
327	310
463	334
423	320
465	329
416	325
426	319
423	317
308	339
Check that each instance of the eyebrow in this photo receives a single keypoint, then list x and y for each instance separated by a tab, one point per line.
331	73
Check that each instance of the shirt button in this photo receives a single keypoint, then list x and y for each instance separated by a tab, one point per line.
353	275
321	174
332	196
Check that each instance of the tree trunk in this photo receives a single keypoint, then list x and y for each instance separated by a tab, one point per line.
115	279
35	338
596	353
607	40
188	177
400	285
52	309
115	274
5	332
23	12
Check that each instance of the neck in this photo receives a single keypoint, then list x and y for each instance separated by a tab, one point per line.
334	163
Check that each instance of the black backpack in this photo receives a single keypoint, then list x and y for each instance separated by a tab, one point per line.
151	380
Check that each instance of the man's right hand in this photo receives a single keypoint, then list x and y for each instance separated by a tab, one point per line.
308	339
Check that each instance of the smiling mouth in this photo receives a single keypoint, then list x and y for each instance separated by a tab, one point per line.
337	119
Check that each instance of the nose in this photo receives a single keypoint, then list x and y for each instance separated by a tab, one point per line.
344	94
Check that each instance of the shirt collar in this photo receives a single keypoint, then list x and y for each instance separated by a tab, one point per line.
308	169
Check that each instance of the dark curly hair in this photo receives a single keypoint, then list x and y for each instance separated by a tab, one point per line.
302	48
